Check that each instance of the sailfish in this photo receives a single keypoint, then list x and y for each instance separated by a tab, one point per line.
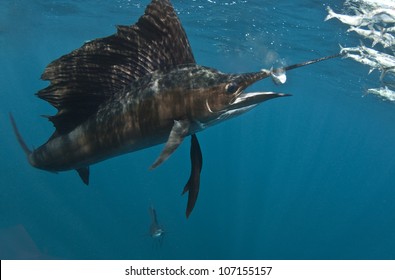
138	88
156	231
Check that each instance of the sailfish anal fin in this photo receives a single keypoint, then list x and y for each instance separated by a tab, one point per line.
177	134
83	172
85	78
193	184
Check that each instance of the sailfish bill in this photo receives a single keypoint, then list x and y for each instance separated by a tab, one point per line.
138	88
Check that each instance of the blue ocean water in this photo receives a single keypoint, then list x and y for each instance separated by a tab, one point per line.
305	177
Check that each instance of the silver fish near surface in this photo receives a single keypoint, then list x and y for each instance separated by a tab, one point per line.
383	92
386	16
279	76
379	18
390	29
365	5
376	60
378	37
353	20
363	60
135	89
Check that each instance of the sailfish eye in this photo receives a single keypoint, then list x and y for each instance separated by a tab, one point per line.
231	88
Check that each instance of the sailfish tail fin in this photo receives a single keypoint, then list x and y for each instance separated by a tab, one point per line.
19	137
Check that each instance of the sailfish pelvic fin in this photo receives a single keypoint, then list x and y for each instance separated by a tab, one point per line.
193	184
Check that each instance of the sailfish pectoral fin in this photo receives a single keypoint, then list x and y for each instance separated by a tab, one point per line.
177	134
193	184
84	174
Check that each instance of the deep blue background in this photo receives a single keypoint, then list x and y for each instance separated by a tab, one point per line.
305	177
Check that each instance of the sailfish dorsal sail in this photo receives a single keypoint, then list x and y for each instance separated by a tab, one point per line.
85	78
